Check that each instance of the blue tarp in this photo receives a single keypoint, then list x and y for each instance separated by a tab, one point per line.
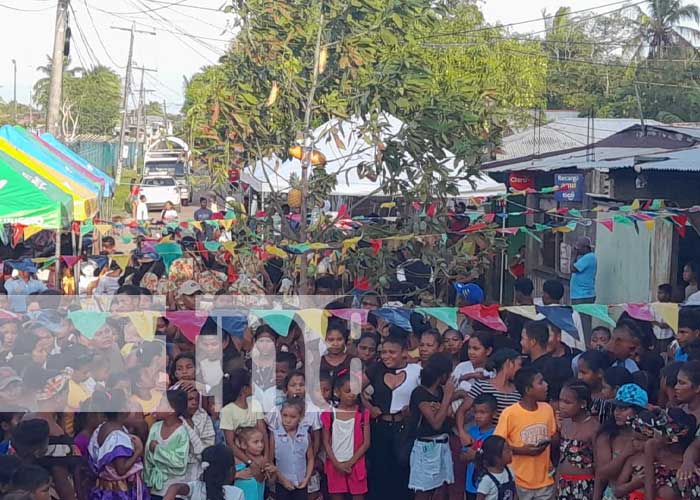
109	181
22	143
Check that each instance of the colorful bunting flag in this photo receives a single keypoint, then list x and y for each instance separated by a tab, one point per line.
353	315
30	231
528	312
87	227
395	316
447	315
599	311
487	315
145	323
169	252
606	223
641	312
189	322
561	317
278	319
88	322
315	320
122	260
667	311
70	260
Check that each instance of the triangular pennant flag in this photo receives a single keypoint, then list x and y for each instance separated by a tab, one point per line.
229	246
276	251
8	315
574	213
528	312
88	322
356	315
278	319
351	243
169	253
542	227
649	225
622	219
121	259
562	317
572	225
599	311
509	230
319	246
30	231
226	223
531	234
189	322
103	228
233	325
607	224
657	204
145	323
641	312
635	205
388	204
681	221
212	246
70	260
127	238
315	320
447	315
668	311
487	315
86	227
376	246
396	316
197	225
48	263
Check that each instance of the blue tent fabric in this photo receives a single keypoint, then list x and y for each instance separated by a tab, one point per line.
22	143
109	181
561	317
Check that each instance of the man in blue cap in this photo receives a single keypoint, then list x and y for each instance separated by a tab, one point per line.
23	284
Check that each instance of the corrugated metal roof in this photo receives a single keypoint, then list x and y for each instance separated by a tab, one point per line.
564	133
612	158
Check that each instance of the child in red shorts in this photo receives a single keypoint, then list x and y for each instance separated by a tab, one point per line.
346	439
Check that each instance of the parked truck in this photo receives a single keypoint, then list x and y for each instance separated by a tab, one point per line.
171	157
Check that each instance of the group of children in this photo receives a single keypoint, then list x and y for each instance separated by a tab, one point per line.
392	413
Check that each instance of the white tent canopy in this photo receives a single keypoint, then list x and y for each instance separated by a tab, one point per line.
358	149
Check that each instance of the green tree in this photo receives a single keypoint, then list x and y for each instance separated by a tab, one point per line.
90	99
660	30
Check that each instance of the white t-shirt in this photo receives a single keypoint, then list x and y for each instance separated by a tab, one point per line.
141	211
489	489
198	491
465	368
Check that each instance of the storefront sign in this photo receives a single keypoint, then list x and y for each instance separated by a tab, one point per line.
521	181
574	185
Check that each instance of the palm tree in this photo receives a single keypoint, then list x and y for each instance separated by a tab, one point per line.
41	87
663	28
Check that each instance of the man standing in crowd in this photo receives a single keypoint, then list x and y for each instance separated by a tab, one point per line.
204	214
584	266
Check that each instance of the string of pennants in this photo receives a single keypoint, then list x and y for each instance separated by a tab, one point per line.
190	323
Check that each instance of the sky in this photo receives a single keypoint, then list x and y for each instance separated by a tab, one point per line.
27	30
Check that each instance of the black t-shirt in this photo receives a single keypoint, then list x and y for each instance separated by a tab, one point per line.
556	371
423	428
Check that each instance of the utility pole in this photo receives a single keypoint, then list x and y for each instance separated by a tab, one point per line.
59	42
165	118
140	113
127	91
31	109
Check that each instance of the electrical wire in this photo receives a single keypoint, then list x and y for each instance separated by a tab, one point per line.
198	7
18	9
540	19
99	37
88	48
154	9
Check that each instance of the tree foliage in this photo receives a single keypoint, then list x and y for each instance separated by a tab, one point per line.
90	101
378	59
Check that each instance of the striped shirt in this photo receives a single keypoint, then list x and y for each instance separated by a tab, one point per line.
504	399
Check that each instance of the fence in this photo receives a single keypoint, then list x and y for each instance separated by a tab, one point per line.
103	154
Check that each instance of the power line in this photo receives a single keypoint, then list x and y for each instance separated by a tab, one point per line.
88	49
174	4
17	9
198	7
540	19
99	37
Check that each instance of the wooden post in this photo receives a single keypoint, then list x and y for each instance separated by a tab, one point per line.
58	259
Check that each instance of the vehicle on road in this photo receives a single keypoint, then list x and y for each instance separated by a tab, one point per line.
171	157
158	191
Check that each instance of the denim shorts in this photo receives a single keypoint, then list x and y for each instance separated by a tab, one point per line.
431	464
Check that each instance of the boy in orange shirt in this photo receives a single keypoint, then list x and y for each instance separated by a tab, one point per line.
529	427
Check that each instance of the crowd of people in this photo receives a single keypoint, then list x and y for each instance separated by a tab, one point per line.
386	411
